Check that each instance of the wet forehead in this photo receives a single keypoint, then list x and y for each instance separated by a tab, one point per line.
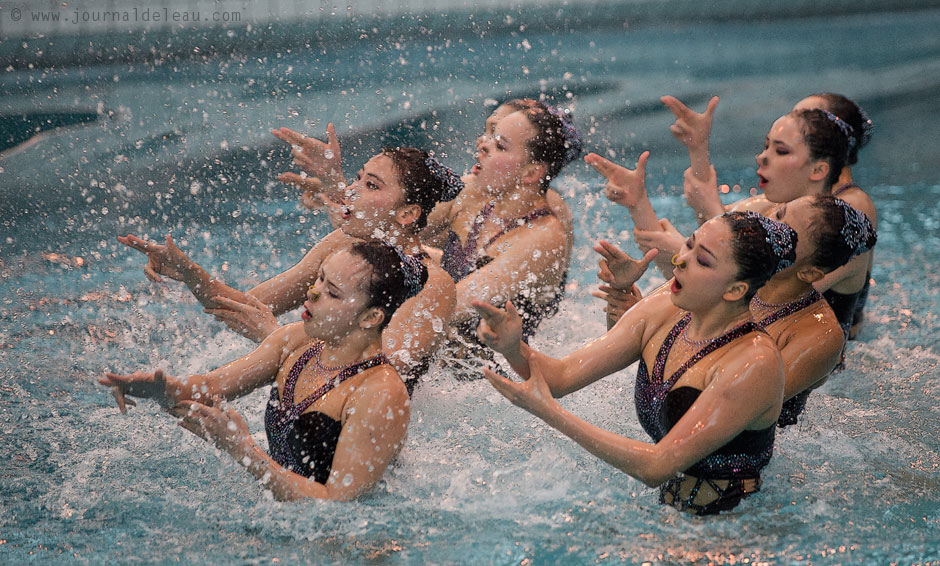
346	270
786	129
715	236
515	127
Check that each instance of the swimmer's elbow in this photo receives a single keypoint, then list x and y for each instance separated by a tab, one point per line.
656	471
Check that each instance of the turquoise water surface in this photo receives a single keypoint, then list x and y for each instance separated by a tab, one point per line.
162	142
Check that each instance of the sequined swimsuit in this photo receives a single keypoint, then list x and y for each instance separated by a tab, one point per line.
305	443
792	407
460	260
659	407
849	307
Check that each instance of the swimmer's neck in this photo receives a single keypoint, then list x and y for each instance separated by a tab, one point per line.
409	242
783	288
845	177
342	351
717	320
519	201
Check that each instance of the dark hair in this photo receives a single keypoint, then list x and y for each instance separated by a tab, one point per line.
853	115
835	244
388	286
422	185
826	139
556	142
759	253
518	104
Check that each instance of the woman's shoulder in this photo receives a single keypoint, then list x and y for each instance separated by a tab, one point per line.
381	384
755	203
816	324
860	200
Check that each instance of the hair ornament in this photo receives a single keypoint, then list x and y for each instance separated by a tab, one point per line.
780	238
411	268
847	130
451	181
857	230
867	127
573	143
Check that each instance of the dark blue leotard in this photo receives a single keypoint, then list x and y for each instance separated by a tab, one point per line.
659	407
460	260
305	443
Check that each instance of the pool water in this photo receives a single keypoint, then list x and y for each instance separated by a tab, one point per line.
183	145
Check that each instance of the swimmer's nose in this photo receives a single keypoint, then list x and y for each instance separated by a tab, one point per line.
761	157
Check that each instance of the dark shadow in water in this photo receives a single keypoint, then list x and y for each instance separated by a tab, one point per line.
16	129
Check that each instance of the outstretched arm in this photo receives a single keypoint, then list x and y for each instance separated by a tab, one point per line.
375	421
170	261
747	395
417	327
615	350
229	381
322	160
628	188
693	130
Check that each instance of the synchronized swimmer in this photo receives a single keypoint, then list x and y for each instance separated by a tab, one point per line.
424	265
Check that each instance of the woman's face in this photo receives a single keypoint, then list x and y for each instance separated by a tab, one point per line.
784	168
373	199
706	267
489	126
800	215
502	156
337	298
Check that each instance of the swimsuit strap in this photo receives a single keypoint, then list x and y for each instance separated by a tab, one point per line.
790	308
291	382
723	340
514	223
659	366
343	375
474	234
287	395
844	188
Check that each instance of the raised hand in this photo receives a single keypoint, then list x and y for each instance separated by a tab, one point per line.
667	239
145	385
618	269
701	192
690	127
311	187
252	319
500	329
533	394
167	259
222	426
317	158
624	186
618	302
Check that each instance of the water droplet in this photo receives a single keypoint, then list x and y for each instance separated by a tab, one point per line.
347	480
328	154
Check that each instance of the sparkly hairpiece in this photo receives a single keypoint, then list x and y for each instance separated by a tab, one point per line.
867	127
573	143
411	268
857	229
451	181
847	130
780	238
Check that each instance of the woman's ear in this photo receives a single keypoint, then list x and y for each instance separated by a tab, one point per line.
736	291
820	171
810	274
371	318
533	173
408	214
